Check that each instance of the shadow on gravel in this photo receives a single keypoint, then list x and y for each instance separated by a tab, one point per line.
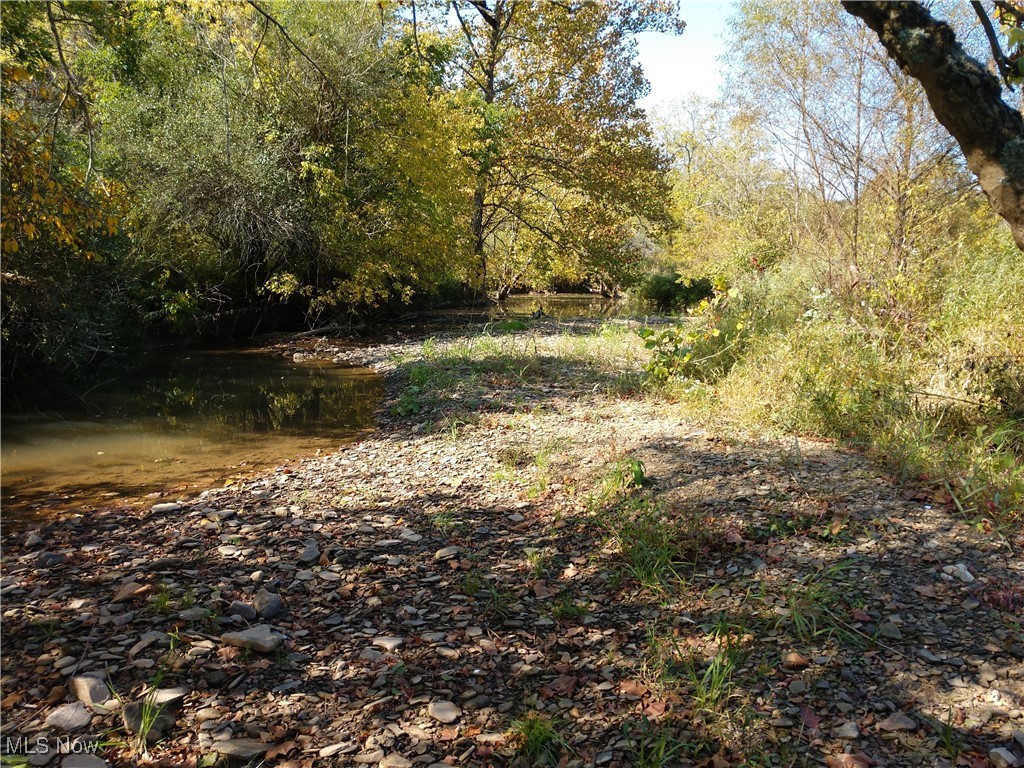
805	613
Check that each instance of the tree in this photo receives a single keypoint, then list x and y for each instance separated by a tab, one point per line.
964	96
565	164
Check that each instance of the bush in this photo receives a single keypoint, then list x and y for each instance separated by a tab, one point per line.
670	291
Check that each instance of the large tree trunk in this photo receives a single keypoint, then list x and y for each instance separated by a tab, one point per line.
965	97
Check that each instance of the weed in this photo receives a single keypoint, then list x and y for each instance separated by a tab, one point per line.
565	609
712	687
950	740
809	607
536	738
536	559
652	747
160	602
443	520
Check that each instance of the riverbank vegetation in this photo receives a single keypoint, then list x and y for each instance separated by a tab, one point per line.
205	170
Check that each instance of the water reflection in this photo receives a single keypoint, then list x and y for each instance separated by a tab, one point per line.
186	422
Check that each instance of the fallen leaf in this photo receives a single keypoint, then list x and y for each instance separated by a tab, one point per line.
131	589
10	700
859	760
811	720
655	709
928	590
563	685
632	688
794	660
860	615
897	722
282	749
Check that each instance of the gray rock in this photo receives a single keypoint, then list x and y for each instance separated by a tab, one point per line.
69	717
33	540
84	761
260	638
91	690
310	553
148	720
848	730
268	604
49	559
238	608
1002	758
798	687
368	758
167	506
395	760
193	614
388	643
243	749
890	630
447	553
444	711
897	722
959	571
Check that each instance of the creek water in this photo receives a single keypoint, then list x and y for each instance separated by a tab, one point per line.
183	423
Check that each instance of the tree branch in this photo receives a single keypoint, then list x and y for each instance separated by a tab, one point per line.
997	52
72	87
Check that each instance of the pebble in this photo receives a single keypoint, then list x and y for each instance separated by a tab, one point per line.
49	559
243	749
84	761
388	643
33	540
395	760
69	717
447	553
148	719
959	571
268	604
890	630
90	690
310	552
848	730
798	687
238	608
444	711
1002	758
368	758
897	722
260	638
167	506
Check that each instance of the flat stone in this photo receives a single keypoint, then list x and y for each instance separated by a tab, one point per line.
897	722
448	553
333	749
798	687
444	711
69	717
310	552
49	559
268	604
260	638
147	719
238	608
793	660
848	730
167	506
243	749
33	540
395	760
388	643
1002	758
890	630
959	571
368	758
193	614
84	761
90	690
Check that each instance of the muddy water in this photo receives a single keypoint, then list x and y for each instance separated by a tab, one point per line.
184	424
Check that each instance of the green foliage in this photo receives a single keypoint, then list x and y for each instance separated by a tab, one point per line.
536	738
671	291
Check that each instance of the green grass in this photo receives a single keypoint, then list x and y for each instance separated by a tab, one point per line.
536	739
653	746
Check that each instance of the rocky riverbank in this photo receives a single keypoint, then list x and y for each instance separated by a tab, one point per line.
531	561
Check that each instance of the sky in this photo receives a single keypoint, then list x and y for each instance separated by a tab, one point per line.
679	65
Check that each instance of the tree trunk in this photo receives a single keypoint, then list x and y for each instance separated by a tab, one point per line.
965	97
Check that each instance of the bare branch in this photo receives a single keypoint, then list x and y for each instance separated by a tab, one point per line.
72	87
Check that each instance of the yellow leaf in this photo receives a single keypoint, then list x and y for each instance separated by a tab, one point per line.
30	229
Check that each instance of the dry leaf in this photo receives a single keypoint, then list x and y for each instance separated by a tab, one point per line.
564	685
859	760
632	688
809	718
282	749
